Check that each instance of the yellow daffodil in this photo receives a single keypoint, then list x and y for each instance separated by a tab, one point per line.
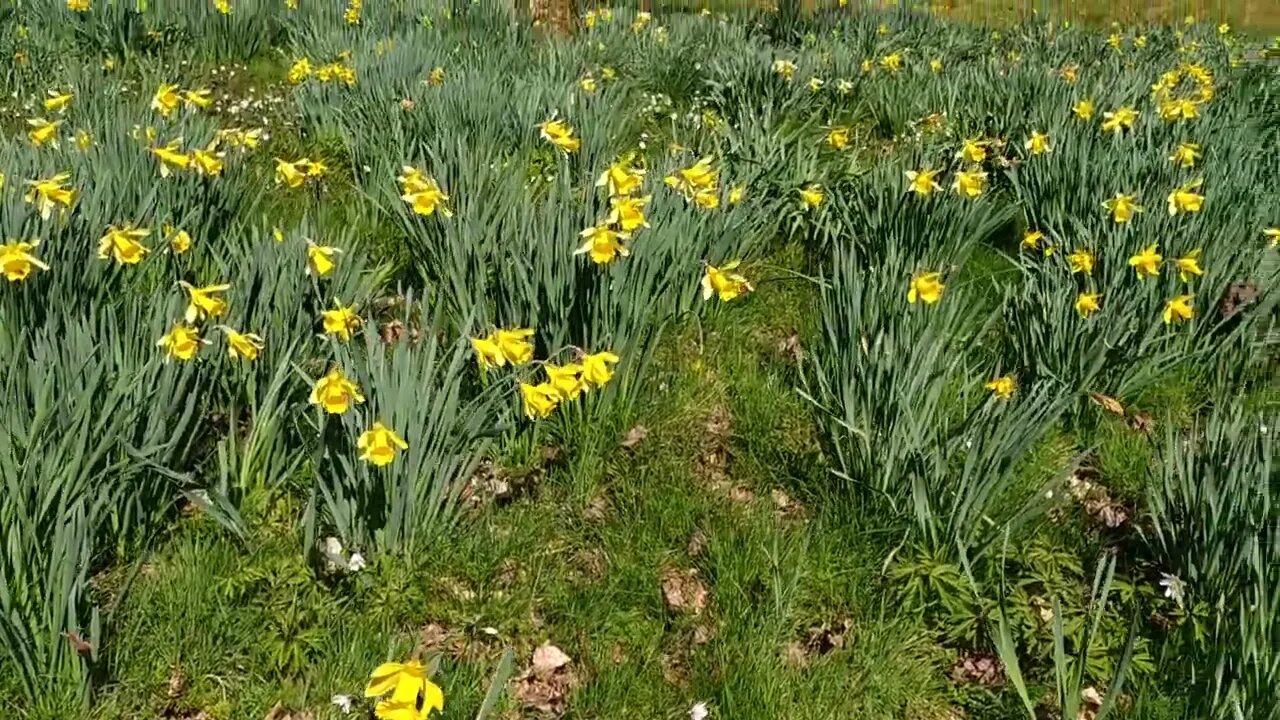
844	86
596	370
321	259
892	62
812	195
622	178
299	71
1185	155
16	260
341	321
724	282
488	353
970	183
706	199
602	244
204	301
1121	118
628	212
84	139
171	157
423	193
79	5
1002	387
1189	266
207	162
1186	199
514	345
1038	143
923	182
166	100
1087	304
179	240
181	342
48	195
1272	234
379	445
1146	263
335	393
1115	40
736	193
245	346
815	84
838	138
925	287
785	68
1175	109
43	132
223	6
560	134
1081	261
123	244
566	379
1031	239
291	174
935	65
973	151
1178	309
1069	74
539	400
1122	207
1083	109
699	177
314	168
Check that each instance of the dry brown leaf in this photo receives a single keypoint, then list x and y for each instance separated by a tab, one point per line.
697	544
684	591
794	655
790	347
978	668
597	509
634	437
278	712
545	685
702	634
1107	403
177	684
548	658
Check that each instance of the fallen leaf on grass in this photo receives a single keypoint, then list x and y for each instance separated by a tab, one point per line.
634	437
545	686
684	591
1107	402
978	668
597	509
697	544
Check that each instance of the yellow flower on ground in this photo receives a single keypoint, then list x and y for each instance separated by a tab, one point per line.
1087	304
1185	155
379	445
204	301
43	132
171	157
925	287
1189	266
1123	207
566	379
1081	261
341	321
603	244
335	393
166	100
1002	387
923	182
724	282
179	240
1186	199
812	195
413	695
1178	309
1121	118
299	71
621	178
560	134
1146	263
973	151
970	183
291	174
321	259
16	260
514	345
181	342
123	244
785	68
48	195
1083	109
628	212
838	138
539	400
1038	143
244	346
596	370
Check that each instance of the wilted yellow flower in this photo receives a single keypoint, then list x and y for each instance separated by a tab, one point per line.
1069	73
291	174
923	182
838	137
602	244
1178	309
1087	304
621	178
43	132
1083	109
181	342
1189	266
1002	387
1121	118
596	370
166	100
925	287
566	379
514	345
335	393
724	282
1186	199
16	260
320	259
1146	263
970	183
1123	207
204	301
299	71
1081	261
539	400
1038	143
973	150
48	195
560	134
123	244
379	445
244	346
785	68
413	695
341	320
812	195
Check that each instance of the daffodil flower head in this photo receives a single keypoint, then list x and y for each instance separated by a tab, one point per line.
628	213
566	379
321	259
811	196
596	370
246	346
515	345
335	393
970	183
17	261
559	134
603	244
406	691
1123	207
1147	262
1081	261
341	321
1002	387
1087	304
182	342
123	244
488	353
166	100
51	194
43	132
1185	155
379	445
1185	199
1189	266
724	282
925	287
204	301
1179	309
539	400
923	182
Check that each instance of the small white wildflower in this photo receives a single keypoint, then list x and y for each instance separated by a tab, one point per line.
343	702
356	563
1174	588
698	711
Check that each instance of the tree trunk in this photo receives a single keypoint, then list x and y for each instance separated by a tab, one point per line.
554	17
